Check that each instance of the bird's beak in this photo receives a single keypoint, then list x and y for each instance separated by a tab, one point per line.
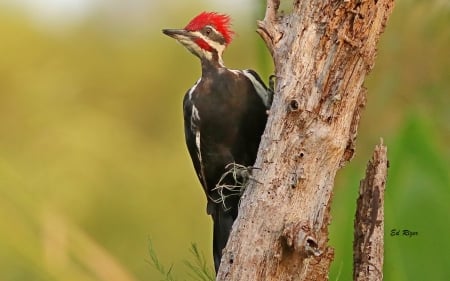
176	33
185	38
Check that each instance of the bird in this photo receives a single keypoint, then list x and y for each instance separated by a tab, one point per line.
225	114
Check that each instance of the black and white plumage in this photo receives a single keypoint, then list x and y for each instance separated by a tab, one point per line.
225	114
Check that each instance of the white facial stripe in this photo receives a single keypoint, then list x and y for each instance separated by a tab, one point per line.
197	34
189	44
213	29
194	48
220	48
216	46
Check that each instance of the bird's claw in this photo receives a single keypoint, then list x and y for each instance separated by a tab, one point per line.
240	174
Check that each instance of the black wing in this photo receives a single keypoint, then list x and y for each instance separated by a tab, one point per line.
266	94
192	137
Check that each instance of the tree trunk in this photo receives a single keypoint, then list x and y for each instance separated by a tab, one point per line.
322	52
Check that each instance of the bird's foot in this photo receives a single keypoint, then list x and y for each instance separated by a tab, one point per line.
241	176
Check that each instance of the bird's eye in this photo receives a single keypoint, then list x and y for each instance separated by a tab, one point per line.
208	31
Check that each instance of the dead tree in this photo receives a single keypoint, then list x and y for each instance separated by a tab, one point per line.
322	52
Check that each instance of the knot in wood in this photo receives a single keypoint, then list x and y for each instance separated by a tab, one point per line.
294	105
301	154
297	237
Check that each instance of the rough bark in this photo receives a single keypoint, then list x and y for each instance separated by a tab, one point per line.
322	51
368	244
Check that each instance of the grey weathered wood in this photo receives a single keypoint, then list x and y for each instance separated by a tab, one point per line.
368	243
322	51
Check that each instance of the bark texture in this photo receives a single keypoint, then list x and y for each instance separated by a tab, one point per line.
322	51
368	244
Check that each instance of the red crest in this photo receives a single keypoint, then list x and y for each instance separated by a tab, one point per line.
220	22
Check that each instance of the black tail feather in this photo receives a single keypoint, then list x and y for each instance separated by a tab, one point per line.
223	221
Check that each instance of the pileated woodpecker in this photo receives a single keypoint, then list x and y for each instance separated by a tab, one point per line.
224	118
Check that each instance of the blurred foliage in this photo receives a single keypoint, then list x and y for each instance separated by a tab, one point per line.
93	161
408	105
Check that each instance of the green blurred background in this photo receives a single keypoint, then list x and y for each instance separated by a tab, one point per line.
92	157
